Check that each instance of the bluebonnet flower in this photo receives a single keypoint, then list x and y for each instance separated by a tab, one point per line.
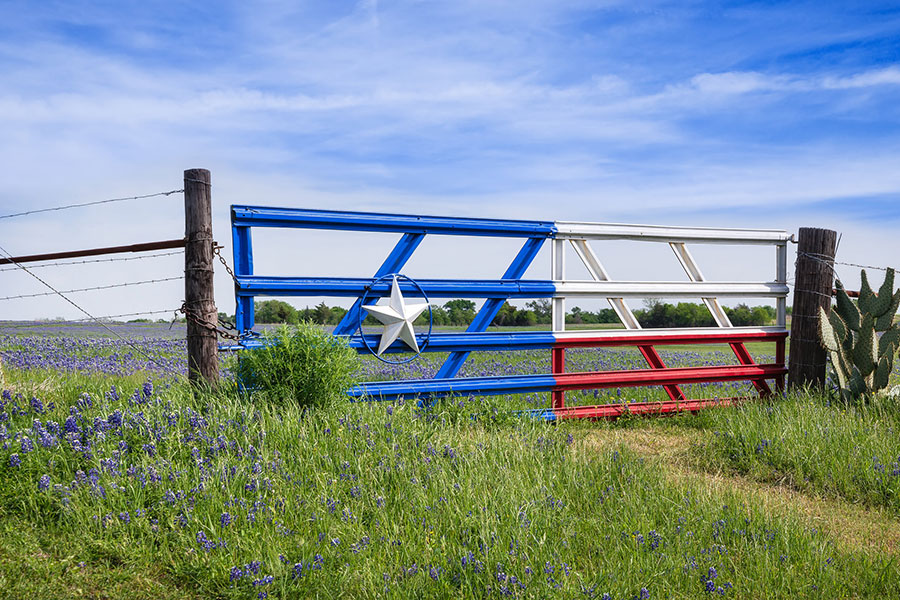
225	519
27	445
205	542
645	593
44	482
235	574
253	567
71	425
115	419
125	517
14	460
37	406
85	401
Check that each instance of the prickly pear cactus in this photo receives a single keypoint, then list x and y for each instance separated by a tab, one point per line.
861	358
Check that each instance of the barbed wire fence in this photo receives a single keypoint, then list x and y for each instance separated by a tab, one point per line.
220	328
189	309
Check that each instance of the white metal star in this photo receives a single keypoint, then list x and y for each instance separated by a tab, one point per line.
398	319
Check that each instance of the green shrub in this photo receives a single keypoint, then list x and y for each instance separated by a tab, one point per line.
300	364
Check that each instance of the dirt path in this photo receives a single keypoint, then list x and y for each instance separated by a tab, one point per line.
851	525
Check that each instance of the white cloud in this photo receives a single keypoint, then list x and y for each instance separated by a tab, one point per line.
872	78
736	83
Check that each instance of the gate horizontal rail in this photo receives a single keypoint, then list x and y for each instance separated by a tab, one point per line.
261	216
523	384
614	411
544	340
499	288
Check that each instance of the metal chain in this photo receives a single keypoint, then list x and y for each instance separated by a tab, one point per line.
217	249
193	316
227	324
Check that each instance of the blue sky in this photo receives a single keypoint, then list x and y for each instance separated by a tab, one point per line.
756	114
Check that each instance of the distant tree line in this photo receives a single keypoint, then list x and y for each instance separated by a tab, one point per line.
462	312
688	314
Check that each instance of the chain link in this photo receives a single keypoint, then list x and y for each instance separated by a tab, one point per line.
217	249
193	316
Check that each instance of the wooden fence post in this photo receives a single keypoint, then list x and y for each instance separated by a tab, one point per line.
812	289
200	304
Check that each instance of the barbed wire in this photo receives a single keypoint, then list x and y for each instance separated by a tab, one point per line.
91	317
134	314
825	259
837	262
7	325
92	289
94	203
96	260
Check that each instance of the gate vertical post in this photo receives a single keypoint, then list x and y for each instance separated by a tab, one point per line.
200	305
558	318
812	289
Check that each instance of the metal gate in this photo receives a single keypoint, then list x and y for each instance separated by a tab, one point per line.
389	279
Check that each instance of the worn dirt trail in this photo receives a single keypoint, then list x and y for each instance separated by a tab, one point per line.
851	525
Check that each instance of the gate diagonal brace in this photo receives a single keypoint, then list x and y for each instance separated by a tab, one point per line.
492	306
395	261
650	354
740	350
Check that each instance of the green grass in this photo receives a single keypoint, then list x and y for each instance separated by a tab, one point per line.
812	444
396	503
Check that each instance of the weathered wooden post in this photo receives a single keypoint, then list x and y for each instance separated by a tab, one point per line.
200	304
812	289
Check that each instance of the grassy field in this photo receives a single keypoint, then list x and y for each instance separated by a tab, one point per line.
133	486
